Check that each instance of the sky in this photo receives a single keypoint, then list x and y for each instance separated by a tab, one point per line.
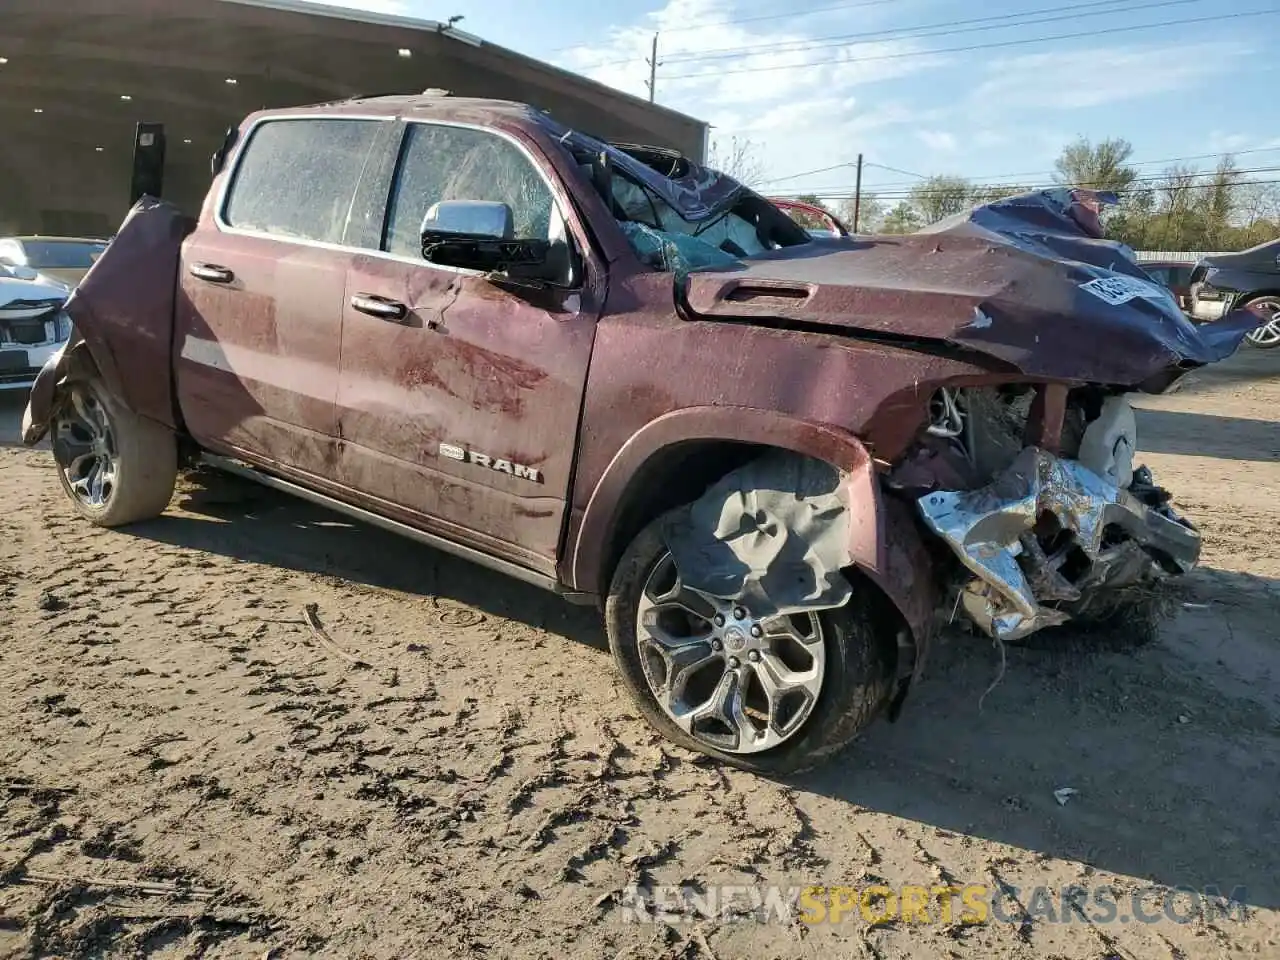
900	81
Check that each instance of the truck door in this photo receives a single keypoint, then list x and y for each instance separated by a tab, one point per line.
459	399
262	282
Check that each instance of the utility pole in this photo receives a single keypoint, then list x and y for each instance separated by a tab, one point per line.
653	68
857	195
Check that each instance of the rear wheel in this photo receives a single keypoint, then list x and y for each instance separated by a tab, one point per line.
1267	336
774	694
115	466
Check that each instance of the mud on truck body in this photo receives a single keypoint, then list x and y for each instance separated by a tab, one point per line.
778	463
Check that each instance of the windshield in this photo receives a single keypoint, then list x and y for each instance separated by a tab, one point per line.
62	254
729	231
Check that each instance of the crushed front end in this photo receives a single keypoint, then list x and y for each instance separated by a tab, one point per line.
1033	489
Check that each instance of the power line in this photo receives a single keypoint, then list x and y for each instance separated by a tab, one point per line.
996	179
1152	178
916	191
945	28
927	195
716	74
907	173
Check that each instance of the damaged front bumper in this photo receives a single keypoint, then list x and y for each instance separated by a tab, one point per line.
1049	538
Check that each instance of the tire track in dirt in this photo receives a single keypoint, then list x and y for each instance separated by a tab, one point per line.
484	787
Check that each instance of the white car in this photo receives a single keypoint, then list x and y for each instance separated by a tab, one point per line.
33	326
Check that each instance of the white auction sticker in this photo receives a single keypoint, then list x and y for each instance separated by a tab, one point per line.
1121	289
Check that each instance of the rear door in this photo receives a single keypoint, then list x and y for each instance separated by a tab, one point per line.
463	410
262	283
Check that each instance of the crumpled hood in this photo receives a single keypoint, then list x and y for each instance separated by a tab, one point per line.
23	298
1027	281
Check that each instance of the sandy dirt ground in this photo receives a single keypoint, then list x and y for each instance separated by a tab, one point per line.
187	769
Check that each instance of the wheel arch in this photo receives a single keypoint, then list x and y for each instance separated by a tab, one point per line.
674	458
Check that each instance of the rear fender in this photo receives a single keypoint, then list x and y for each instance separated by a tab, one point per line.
123	311
885	543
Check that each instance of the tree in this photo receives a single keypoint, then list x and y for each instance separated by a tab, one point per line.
991	192
941	196
1101	167
1176	191
737	159
1218	203
870	213
901	219
1259	213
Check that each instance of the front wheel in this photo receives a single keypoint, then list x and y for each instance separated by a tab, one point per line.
115	467
1267	336
774	695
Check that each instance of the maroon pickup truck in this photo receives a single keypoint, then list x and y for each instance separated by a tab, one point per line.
777	463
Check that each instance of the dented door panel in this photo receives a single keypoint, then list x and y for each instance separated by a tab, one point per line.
492	378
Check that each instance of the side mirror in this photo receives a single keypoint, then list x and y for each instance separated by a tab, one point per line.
474	219
480	235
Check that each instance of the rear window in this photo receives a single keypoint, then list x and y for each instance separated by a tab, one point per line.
61	254
296	178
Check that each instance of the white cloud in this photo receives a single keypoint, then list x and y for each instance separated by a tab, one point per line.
938	141
801	106
1073	79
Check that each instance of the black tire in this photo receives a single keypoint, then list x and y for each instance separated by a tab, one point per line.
146	462
857	686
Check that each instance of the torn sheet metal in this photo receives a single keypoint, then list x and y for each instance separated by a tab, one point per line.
698	194
1016	280
773	535
991	530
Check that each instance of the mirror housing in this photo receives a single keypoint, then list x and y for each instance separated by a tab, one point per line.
480	235
474	219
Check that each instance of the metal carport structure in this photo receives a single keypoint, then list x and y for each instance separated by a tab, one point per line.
76	76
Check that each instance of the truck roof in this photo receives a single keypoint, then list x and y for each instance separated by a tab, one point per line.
430	103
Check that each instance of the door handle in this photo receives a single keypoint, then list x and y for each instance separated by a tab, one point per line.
380	307
212	272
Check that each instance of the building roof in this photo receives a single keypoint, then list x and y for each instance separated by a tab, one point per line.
78	75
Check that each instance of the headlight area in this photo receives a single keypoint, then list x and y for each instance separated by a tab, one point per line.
62	327
1034	490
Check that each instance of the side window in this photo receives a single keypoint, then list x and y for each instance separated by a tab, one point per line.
1159	274
457	163
297	178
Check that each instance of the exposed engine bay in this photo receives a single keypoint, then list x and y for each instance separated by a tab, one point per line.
1041	504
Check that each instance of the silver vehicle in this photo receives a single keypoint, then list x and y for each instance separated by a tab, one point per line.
33	325
64	259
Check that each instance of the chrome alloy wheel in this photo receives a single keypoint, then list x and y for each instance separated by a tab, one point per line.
1267	335
730	680
84	447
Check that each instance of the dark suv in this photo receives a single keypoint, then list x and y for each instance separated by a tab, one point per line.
775	463
1250	278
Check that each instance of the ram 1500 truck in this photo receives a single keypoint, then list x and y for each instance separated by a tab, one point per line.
776	462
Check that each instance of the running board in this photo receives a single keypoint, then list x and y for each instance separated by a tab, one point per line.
458	550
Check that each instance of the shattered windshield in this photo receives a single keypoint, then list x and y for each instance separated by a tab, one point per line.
677	214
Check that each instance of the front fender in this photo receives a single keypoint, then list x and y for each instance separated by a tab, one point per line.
42	403
885	542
